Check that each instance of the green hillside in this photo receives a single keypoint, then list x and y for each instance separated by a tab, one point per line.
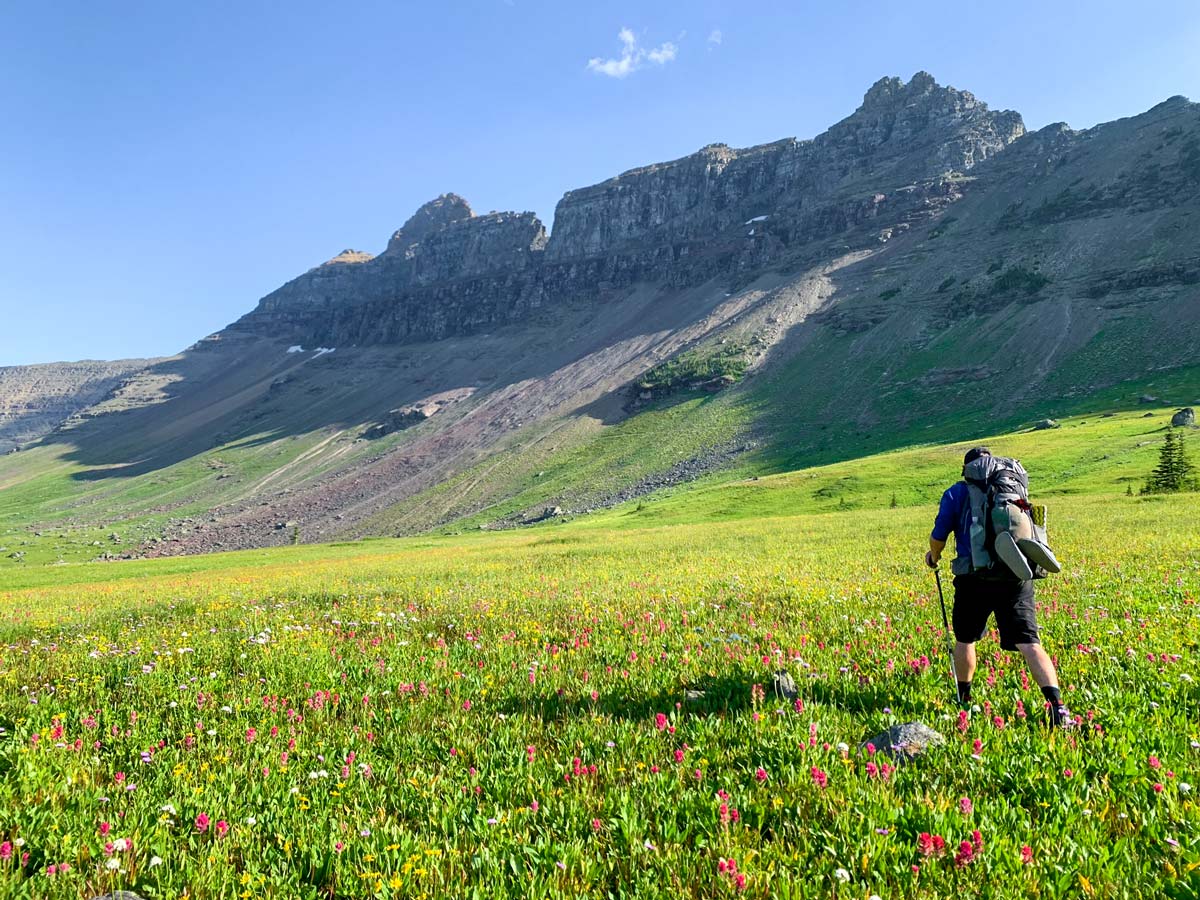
1102	455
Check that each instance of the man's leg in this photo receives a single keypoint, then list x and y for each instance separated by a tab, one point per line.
964	661
970	616
1019	631
1040	665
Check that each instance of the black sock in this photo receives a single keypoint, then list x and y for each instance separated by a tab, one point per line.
964	691
1052	695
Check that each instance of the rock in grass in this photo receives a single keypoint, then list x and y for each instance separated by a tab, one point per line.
785	686
1184	417
906	741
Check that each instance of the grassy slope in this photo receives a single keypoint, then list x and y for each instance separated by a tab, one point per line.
1093	455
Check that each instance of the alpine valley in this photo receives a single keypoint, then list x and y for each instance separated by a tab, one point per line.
925	270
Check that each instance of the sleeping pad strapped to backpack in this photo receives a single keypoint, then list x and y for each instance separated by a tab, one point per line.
1002	528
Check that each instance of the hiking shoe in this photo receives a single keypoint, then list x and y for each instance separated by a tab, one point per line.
1039	554
1060	717
1011	555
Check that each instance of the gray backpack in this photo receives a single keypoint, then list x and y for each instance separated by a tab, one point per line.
1007	533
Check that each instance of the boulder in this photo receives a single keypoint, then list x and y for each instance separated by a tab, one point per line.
906	741
785	686
1184	417
1046	425
1147	398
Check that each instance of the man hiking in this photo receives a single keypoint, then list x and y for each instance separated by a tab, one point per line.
979	594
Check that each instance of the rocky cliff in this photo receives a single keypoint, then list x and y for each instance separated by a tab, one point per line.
898	158
922	271
36	399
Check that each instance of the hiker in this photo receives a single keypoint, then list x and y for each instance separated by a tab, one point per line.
979	593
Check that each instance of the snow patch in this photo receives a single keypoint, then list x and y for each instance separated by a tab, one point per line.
757	219
295	348
751	232
321	351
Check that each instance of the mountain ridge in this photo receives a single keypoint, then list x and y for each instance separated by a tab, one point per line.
867	287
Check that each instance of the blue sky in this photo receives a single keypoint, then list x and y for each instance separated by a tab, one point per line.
164	165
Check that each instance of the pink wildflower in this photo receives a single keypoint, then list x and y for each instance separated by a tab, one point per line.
202	823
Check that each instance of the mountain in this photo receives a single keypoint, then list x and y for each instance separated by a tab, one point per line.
36	399
925	269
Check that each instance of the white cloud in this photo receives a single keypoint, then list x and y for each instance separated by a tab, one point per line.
715	37
633	57
662	55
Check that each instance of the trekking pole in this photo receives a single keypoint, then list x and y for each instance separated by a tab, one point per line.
937	574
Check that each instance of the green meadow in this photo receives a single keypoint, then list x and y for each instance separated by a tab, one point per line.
587	708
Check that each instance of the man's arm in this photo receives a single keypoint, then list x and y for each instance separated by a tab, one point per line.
943	525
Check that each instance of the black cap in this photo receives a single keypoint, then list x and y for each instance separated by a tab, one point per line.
974	453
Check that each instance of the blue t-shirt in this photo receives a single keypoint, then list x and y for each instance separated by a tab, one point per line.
954	514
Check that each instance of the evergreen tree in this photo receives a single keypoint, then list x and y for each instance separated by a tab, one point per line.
1174	471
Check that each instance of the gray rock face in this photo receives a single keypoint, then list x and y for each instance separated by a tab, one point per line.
1184	417
906	741
717	212
433	216
36	399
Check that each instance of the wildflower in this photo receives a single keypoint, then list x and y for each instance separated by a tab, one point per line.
1155	763
1026	854
660	721
202	822
1158	788
222	828
820	779
930	844
6	850
760	774
679	756
965	855
841	875
965	806
113	864
597	825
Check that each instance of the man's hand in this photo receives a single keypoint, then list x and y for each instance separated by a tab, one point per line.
930	559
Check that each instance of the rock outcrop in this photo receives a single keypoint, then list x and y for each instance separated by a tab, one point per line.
34	400
447	271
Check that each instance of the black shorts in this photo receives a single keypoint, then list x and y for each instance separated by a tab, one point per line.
977	598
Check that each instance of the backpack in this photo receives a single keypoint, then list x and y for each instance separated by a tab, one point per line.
1007	533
